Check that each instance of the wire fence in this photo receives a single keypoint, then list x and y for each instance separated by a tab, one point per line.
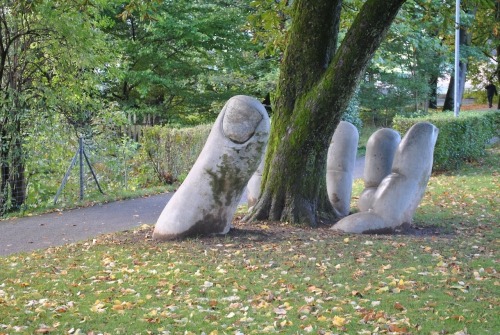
54	165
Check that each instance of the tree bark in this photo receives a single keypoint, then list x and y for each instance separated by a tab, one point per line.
433	95
497	35
314	89
17	179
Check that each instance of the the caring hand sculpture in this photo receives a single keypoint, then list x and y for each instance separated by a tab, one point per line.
391	197
207	200
340	163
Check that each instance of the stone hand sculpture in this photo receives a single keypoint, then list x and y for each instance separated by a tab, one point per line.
397	196
380	150
340	163
207	200
253	187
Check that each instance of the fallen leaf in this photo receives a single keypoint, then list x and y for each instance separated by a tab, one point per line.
338	321
399	307
398	329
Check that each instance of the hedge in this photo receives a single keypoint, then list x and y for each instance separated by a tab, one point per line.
171	152
460	139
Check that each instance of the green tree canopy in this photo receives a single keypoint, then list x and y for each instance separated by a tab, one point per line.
182	59
52	57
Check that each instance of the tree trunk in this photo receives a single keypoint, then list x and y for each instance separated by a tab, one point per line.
314	89
17	178
12	171
4	171
448	100
433	95
497	35
498	65
450	95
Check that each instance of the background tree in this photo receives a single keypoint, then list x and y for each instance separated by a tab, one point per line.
464	42
496	34
315	85
477	21
50	52
484	66
404	72
182	59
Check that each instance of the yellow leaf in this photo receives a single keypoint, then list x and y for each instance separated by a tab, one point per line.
442	264
268	329
383	289
338	321
98	307
285	323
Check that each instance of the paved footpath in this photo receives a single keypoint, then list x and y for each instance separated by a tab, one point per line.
55	229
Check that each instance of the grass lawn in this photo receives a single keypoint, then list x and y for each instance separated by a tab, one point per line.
440	278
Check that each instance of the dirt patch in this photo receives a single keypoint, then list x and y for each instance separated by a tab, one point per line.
474	106
264	232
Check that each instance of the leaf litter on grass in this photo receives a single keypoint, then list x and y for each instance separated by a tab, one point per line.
268	278
278	280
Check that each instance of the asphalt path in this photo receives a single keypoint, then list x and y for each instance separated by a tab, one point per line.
59	228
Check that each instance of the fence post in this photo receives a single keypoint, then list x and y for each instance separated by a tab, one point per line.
80	154
65	178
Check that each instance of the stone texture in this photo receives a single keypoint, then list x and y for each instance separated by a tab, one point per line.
380	150
253	186
341	161
399	193
207	200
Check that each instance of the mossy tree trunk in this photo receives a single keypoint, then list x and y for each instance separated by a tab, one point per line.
497	35
315	85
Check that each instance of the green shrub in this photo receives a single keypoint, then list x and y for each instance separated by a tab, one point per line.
171	152
460	139
479	96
